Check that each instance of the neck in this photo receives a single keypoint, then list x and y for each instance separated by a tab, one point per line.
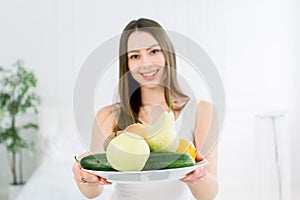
153	96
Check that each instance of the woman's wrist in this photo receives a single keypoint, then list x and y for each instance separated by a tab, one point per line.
200	179
206	188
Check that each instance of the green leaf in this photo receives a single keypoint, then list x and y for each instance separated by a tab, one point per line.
30	126
4	98
17	95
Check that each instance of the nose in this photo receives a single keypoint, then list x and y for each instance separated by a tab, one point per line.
146	60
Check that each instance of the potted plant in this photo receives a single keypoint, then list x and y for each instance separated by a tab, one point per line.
17	97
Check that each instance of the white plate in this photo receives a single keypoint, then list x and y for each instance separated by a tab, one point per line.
144	176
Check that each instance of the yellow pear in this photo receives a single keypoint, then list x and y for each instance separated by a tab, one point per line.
162	135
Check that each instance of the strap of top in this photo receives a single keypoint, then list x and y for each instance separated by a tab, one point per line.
186	122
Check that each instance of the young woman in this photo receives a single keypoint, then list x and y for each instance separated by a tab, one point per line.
147	78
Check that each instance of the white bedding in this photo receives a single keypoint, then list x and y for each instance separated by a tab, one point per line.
53	178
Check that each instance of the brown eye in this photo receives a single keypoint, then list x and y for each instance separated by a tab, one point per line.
135	56
154	51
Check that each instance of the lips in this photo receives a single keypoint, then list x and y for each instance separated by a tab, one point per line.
150	74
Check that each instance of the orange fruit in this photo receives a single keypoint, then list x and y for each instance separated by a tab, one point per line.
187	147
139	129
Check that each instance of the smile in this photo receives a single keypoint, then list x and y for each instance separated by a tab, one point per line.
150	74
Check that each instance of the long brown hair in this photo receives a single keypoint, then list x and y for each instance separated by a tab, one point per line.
129	89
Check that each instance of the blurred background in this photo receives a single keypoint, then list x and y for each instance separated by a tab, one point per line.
255	46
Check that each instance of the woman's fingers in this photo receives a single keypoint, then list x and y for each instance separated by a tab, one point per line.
86	177
195	176
91	181
198	158
198	174
103	181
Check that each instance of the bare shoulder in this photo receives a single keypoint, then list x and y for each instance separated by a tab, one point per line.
205	105
203	124
205	108
108	113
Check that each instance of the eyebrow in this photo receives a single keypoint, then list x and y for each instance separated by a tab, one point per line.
154	45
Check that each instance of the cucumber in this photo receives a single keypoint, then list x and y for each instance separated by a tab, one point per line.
156	161
168	160
96	162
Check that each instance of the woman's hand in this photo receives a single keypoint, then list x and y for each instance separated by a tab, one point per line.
86	178
196	175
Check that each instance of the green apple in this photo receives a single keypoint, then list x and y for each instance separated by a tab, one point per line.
128	152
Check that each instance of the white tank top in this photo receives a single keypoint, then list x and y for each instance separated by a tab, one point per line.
164	190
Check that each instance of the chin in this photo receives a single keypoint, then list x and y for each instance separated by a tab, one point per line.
151	85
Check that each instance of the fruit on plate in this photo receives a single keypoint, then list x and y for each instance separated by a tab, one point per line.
138	128
162	135
187	147
156	161
127	152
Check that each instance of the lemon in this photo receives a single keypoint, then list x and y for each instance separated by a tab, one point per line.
187	147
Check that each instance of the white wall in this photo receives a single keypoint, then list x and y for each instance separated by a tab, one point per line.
251	43
28	32
295	132
259	54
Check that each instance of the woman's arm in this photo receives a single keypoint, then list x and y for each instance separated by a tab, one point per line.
203	183
102	129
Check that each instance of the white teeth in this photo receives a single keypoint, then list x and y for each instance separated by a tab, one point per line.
149	74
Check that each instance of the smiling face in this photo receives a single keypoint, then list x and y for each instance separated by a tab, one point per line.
146	60
136	42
